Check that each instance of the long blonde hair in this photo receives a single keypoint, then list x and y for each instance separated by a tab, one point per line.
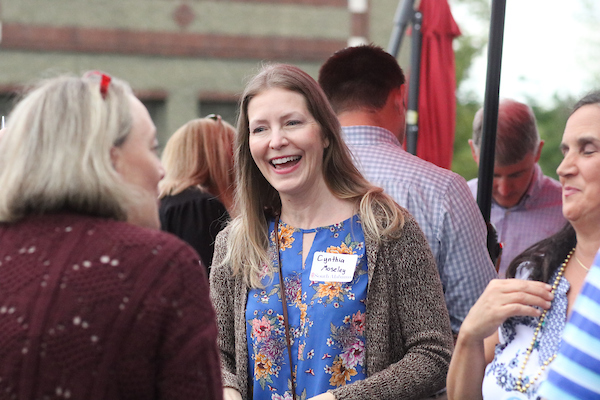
257	200
55	154
200	153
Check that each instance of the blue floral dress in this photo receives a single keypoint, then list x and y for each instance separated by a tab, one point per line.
326	319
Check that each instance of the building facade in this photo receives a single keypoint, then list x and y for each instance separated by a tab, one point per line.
183	58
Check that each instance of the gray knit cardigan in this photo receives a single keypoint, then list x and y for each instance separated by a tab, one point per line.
408	336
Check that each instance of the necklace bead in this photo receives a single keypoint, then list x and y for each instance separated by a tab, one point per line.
519	385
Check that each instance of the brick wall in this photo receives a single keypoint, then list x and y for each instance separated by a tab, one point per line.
193	53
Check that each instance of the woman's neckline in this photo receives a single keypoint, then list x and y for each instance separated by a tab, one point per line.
323	211
318	228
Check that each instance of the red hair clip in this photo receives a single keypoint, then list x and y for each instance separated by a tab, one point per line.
104	81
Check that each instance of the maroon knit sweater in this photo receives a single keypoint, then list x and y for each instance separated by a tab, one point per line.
92	308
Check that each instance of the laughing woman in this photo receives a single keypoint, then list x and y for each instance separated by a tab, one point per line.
324	288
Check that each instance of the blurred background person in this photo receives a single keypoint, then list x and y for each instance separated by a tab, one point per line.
322	284
365	87
527	205
93	303
196	194
514	331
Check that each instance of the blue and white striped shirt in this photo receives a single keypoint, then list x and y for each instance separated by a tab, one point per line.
575	373
441	203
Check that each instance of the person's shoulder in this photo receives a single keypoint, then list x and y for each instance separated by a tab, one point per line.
188	196
408	237
191	200
226	231
223	236
219	271
142	248
409	224
427	173
431	168
472	183
125	235
439	183
385	160
99	238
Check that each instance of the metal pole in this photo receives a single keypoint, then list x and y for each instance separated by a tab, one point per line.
404	13
412	113
490	109
490	125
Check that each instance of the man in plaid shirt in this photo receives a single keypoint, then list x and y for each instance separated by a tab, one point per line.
527	205
365	86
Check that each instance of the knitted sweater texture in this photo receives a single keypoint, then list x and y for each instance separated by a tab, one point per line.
92	308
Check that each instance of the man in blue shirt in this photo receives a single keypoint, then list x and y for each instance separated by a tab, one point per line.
527	205
365	86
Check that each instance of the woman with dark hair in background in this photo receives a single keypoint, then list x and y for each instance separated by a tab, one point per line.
197	191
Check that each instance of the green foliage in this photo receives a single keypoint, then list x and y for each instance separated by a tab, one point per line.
462	160
551	124
550	119
466	48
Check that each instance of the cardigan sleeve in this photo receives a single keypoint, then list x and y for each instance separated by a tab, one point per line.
221	294
409	340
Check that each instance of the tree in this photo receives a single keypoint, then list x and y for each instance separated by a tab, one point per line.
551	119
551	124
467	47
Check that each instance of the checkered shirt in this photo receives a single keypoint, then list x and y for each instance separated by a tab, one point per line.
537	216
443	206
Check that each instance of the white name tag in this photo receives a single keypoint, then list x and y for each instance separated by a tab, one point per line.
332	267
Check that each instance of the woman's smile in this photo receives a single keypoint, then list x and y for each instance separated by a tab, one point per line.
286	142
285	163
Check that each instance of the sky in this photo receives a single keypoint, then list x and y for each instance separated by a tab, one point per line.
550	47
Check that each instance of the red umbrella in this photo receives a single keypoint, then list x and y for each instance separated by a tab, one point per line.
437	88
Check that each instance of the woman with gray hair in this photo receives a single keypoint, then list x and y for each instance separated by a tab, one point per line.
93	304
324	288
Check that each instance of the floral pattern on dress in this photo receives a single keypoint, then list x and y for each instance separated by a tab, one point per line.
347	338
313	308
285	237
